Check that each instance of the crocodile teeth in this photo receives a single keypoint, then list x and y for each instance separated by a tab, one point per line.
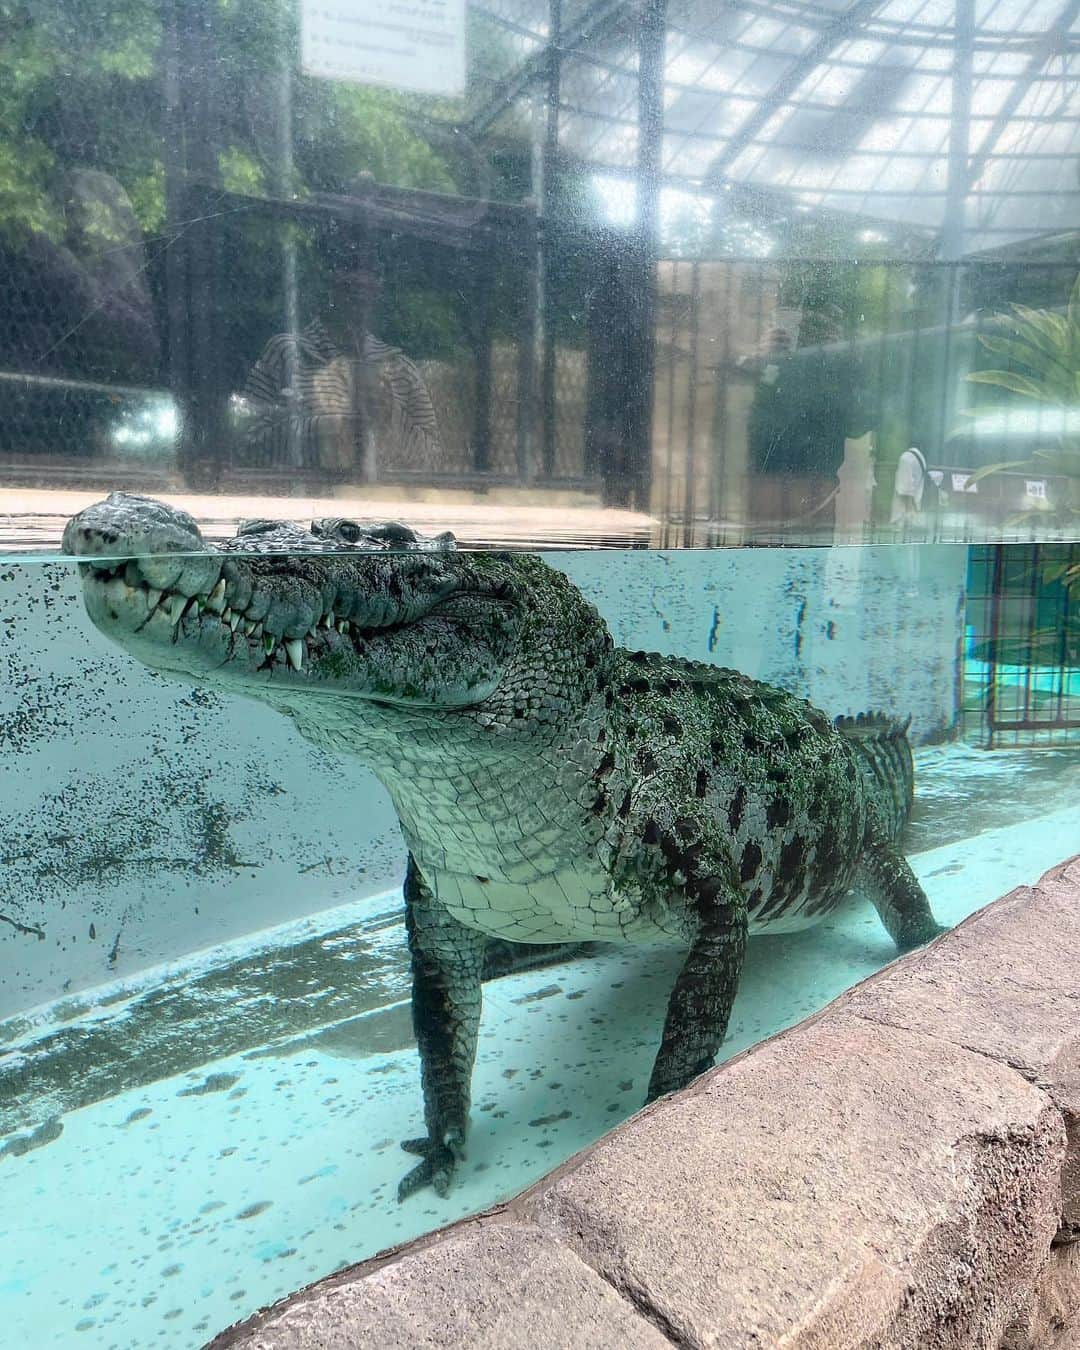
269	643
342	626
249	627
233	620
294	650
117	590
216	599
327	620
175	606
195	607
153	597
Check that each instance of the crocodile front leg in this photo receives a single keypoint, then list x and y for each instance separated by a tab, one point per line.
447	966
675	857
700	1004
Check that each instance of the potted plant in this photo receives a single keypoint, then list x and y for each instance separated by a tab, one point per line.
1041	351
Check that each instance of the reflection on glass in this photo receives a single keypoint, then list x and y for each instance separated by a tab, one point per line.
334	397
691	278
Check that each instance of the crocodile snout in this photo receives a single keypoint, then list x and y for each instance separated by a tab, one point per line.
162	542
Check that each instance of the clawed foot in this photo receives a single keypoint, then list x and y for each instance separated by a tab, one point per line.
668	1078
436	1168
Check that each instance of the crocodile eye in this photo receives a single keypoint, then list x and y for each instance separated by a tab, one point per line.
332	528
393	532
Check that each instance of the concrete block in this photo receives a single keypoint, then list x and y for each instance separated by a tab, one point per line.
1006	984
1053	1318
847	1184
495	1285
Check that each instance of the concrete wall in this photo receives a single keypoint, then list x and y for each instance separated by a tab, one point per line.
143	820
852	629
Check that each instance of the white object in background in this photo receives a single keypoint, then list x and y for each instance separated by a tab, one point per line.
1035	487
856	486
908	486
960	483
417	45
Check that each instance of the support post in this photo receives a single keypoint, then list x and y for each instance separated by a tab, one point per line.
204	428
548	180
294	447
954	224
177	334
527	262
652	36
484	287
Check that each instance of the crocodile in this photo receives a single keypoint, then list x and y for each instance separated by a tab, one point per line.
551	787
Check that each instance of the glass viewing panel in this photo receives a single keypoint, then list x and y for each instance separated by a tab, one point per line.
654	288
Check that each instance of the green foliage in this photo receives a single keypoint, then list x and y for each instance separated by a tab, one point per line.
24	201
240	172
74	85
1041	351
147	194
343	130
80	88
424	321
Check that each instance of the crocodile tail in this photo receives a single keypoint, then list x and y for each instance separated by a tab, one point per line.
884	754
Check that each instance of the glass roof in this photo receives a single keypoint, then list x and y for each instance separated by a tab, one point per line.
962	119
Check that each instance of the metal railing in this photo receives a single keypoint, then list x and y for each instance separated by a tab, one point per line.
1022	648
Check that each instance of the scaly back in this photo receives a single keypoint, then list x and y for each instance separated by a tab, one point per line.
884	754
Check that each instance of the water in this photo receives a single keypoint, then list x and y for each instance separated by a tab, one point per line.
205	1054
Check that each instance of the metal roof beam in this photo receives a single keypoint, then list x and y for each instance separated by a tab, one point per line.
839	30
1042	50
535	69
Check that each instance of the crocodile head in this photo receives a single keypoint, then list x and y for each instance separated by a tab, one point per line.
376	612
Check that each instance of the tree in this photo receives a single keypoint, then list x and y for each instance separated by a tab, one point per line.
1040	364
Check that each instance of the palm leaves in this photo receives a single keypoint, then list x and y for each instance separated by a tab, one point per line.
1040	350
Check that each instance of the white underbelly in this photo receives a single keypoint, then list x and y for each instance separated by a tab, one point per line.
566	906
575	906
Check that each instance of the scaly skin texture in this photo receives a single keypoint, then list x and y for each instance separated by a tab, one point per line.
551	787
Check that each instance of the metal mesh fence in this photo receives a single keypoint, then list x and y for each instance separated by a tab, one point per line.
81	369
1022	647
183	197
168	226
